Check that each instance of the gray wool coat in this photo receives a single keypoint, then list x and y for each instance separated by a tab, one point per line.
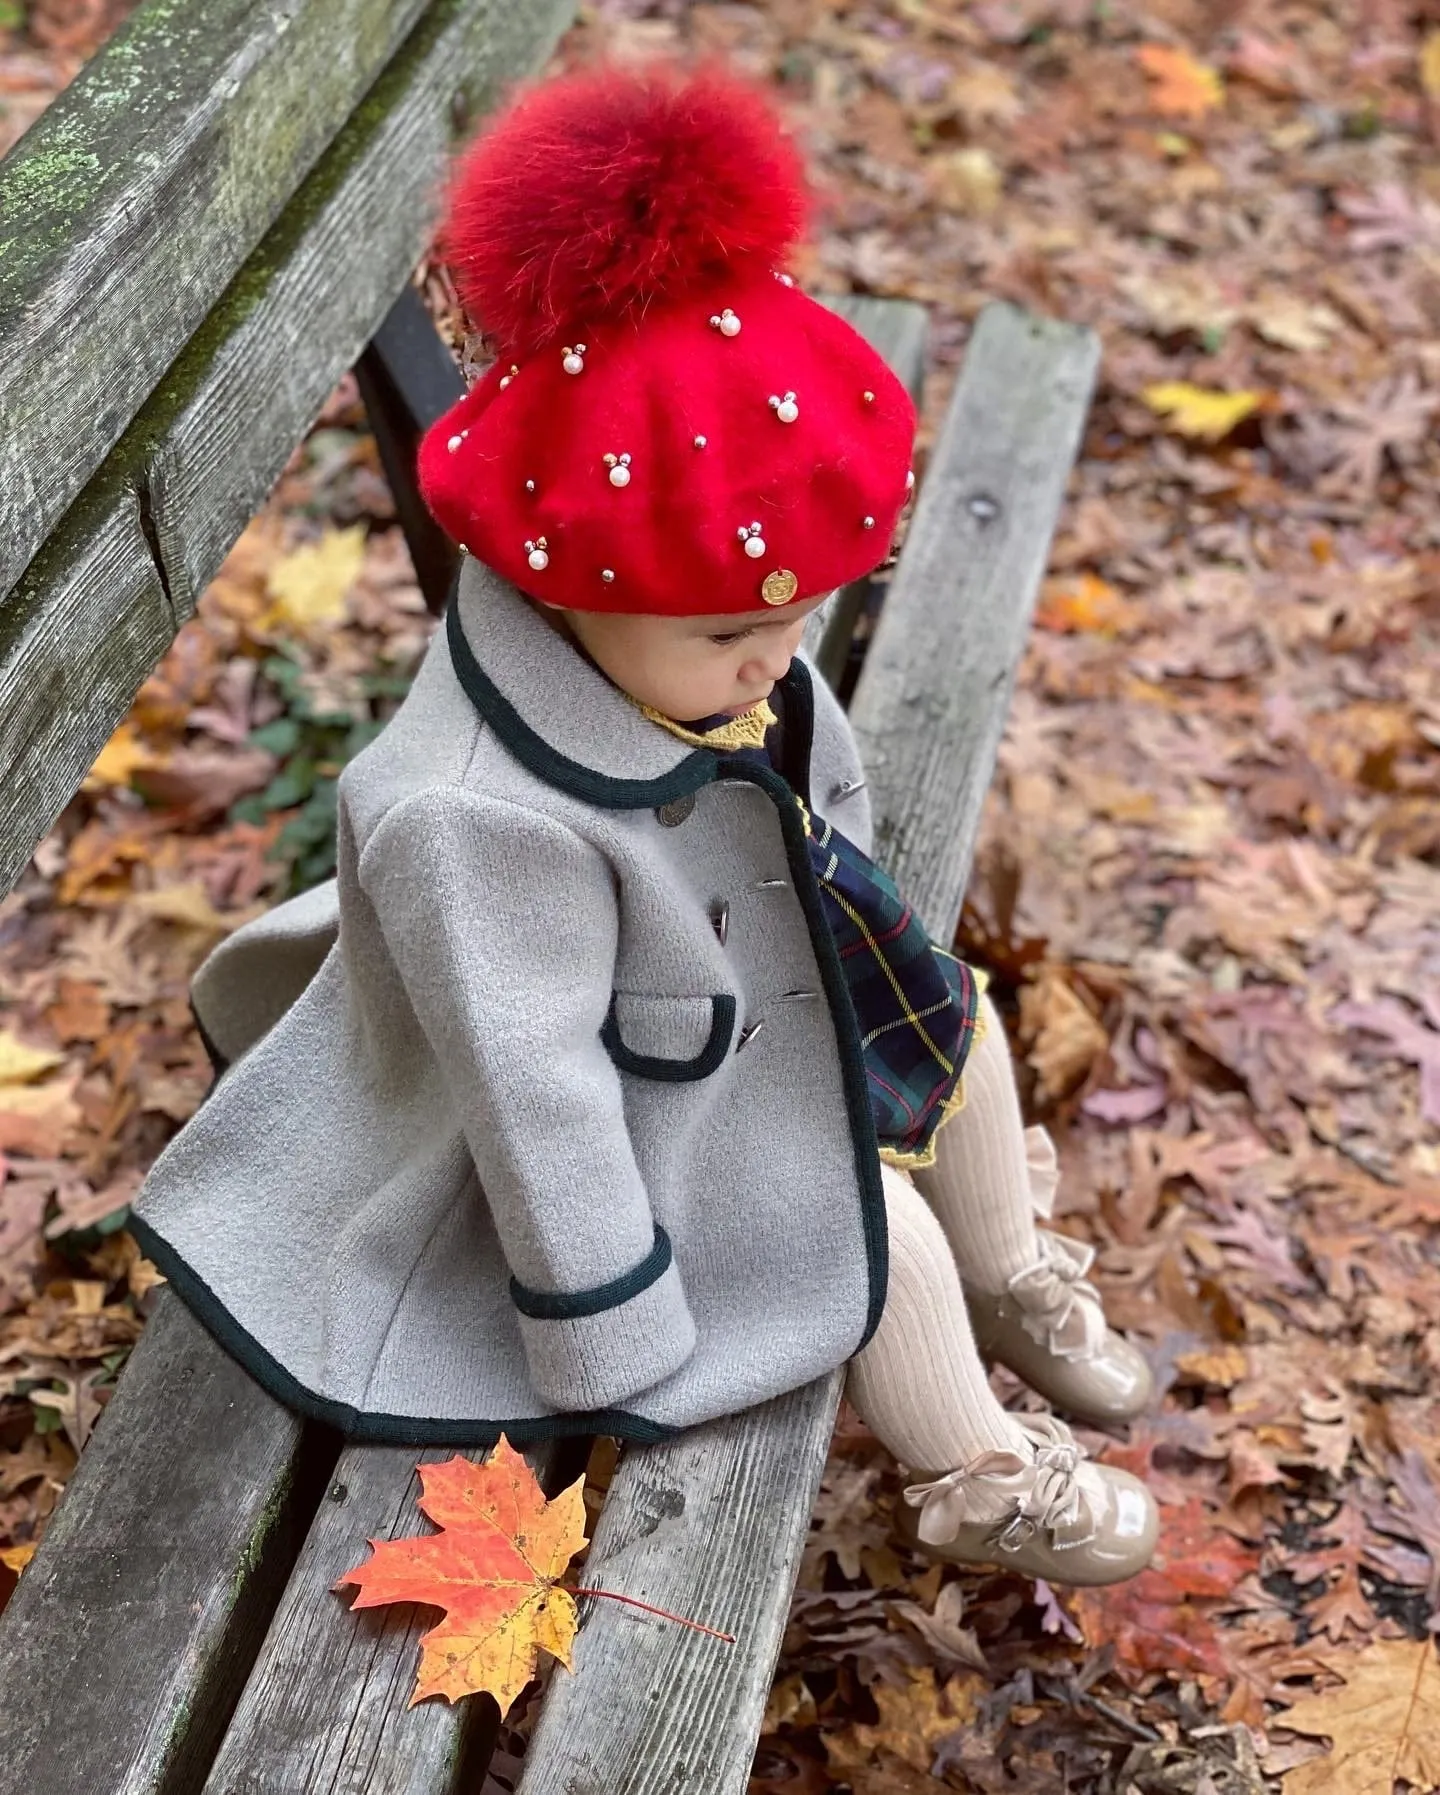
548	1113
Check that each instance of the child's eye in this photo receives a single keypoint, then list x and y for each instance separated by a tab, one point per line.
738	635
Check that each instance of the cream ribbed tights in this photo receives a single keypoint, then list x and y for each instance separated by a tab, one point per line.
919	1384
979	1185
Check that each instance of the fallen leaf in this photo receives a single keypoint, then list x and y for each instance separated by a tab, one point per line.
912	1722
941	1629
308	586
36	1119
1137	1104
1085	604
1384	1722
1197	411
186	904
19	1063
1064	1039
1183	87
492	1568
1407	1038
966	181
1430	64
119	760
15	1558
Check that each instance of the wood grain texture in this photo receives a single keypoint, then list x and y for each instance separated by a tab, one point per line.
897	329
930	706
129	1634
69	667
325	1709
130	203
712	1525
199	459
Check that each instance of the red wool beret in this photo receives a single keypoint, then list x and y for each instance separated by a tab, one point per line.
671	426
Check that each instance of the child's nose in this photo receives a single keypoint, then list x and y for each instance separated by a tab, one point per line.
772	658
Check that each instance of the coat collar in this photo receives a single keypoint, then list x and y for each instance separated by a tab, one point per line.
557	714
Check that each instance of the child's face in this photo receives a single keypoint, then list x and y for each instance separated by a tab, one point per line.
693	667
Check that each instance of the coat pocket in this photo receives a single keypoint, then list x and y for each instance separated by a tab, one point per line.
669	1038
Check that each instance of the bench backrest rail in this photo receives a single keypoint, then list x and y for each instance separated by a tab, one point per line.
122	569
131	204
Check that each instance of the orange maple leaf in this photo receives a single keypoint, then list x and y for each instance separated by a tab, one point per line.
492	1568
1184	88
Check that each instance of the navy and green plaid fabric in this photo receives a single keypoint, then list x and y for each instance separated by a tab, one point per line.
916	1005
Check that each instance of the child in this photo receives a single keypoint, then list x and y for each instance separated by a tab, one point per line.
588	1098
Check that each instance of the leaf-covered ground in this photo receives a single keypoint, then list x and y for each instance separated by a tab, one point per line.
1208	885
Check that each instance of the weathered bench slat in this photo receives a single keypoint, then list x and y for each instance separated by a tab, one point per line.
898	329
649	1708
196	464
162	165
982	528
130	1633
325	1708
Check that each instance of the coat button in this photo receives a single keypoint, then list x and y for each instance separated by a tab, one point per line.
675	810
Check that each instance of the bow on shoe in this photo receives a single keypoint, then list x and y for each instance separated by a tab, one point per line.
1053	1500
949	1503
1060	1309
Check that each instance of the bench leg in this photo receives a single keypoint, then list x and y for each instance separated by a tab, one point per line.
407	379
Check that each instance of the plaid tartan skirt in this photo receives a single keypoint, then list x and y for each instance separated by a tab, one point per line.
917	1006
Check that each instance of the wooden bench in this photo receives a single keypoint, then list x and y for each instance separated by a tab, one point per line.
175	1633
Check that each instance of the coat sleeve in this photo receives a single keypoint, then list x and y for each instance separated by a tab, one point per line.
503	925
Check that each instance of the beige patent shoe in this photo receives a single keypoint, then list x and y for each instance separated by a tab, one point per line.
1056	1516
1049	1327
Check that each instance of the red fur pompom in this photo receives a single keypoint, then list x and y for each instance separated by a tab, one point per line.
595	195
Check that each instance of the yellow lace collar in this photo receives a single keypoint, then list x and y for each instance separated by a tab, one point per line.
745	731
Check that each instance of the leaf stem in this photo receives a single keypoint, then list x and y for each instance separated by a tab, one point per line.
634	1602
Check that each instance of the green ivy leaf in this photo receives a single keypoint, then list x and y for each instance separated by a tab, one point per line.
282	737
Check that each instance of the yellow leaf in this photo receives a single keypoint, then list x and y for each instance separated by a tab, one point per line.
187	904
1183	87
309	585
1085	603
1384	1722
15	1558
121	757
19	1063
1430	64
968	181
1199	411
1223	1367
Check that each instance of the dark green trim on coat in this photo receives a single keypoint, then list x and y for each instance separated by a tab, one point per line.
574	1305
547	763
218	1062
847	1031
365	1424
648	1065
797	695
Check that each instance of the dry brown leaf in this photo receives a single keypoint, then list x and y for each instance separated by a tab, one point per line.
1065	1040
1383	1722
